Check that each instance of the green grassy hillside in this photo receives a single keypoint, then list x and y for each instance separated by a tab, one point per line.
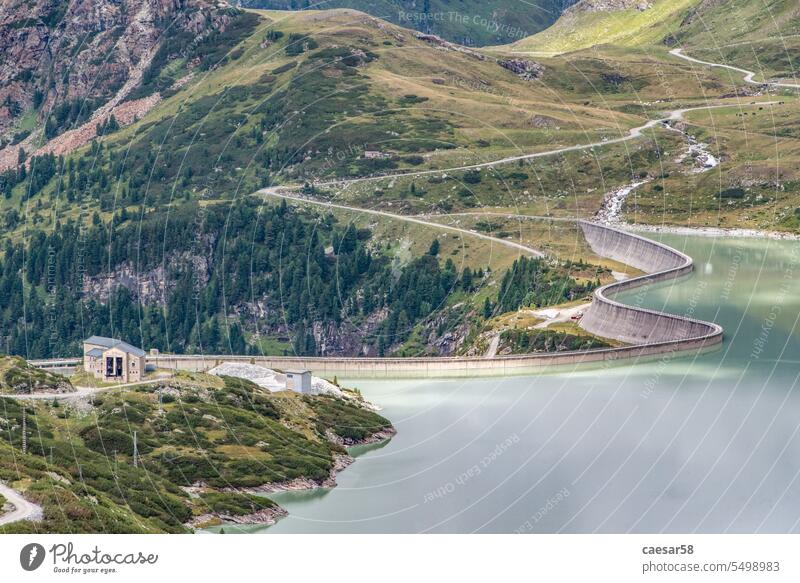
469	22
580	28
218	435
756	34
762	35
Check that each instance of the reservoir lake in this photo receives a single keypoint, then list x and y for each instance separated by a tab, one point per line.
704	443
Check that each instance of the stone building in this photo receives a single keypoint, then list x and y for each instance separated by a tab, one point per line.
110	359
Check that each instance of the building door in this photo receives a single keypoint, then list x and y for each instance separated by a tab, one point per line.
119	366
109	366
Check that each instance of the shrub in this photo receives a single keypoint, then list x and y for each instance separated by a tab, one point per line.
472	176
283	68
732	193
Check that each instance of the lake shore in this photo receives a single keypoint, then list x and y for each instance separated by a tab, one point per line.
270	516
712	231
341	462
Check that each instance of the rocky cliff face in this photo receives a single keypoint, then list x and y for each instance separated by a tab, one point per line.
86	52
607	6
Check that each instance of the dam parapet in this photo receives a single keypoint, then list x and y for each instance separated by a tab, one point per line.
632	324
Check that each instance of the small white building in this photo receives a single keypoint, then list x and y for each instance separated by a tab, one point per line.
111	359
299	381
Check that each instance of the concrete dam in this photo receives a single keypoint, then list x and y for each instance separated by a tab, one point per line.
633	325
650	334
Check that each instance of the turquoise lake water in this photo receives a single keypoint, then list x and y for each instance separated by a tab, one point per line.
709	443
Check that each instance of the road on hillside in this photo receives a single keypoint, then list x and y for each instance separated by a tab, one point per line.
748	75
276	191
282	191
633	133
23	510
79	393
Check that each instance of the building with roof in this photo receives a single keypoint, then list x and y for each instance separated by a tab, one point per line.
111	359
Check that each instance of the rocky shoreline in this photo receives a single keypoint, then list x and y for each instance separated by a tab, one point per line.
270	516
267	516
340	462
712	231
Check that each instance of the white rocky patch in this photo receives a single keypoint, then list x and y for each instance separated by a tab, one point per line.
703	159
611	211
272	380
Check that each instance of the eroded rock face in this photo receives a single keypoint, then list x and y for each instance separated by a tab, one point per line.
607	6
55	51
528	70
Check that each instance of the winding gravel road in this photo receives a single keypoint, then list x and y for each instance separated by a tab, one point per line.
633	133
23	510
79	393
748	75
279	192
283	191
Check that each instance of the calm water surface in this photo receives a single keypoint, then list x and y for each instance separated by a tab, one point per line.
706	444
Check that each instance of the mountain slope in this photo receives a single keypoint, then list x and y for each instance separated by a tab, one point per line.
155	231
75	61
758	34
153	237
761	35
616	22
468	22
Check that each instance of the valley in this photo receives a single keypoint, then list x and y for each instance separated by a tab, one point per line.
371	115
418	189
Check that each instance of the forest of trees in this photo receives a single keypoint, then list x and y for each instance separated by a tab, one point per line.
222	265
205	278
532	282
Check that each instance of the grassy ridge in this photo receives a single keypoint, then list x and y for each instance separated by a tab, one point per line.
469	22
578	30
197	429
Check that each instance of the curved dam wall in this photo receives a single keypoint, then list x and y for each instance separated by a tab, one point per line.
650	334
611	319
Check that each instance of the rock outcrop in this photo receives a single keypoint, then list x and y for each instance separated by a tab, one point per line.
86	54
527	70
607	6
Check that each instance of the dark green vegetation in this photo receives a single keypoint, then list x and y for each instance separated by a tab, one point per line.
18	377
527	341
69	114
353	426
469	22
229	504
534	283
265	267
218	433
